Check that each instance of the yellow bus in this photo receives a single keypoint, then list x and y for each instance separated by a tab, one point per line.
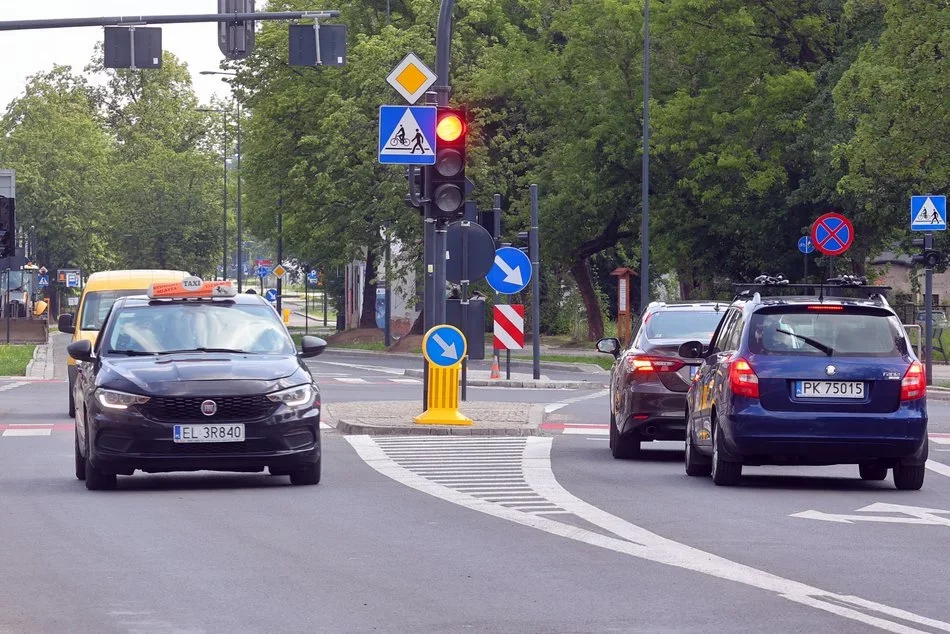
98	294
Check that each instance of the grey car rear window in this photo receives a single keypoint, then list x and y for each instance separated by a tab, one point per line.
683	324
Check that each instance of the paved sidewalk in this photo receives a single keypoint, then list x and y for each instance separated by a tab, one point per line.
49	360
396	418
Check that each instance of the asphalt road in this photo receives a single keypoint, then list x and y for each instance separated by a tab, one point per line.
434	534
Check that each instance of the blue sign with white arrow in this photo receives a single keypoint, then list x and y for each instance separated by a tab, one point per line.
407	135
805	245
511	271
270	295
928	213
42	281
262	271
444	345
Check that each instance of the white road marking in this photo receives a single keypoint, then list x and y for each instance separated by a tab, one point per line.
350	379
938	467
407	381
368	368
585	431
940	440
630	539
553	407
27	432
908	515
14	385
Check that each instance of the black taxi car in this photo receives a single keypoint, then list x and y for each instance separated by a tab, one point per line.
195	377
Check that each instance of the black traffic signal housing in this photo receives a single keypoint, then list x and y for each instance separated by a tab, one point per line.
7	227
525	238
447	185
929	257
416	178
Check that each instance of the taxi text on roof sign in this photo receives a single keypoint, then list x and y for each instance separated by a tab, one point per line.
191	287
411	78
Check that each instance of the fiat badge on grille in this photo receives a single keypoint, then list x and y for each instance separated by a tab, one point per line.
209	408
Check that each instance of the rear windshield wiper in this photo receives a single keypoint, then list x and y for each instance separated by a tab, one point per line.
133	353
232	350
812	342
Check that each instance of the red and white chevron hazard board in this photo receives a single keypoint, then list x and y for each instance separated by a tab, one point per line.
509	327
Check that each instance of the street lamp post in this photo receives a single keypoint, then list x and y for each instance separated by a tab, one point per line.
240	253
224	222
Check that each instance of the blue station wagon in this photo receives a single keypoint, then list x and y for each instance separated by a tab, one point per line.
809	380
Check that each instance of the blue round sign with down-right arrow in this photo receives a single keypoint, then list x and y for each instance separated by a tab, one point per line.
444	345
511	271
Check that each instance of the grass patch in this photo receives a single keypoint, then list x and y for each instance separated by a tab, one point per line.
375	347
14	359
605	361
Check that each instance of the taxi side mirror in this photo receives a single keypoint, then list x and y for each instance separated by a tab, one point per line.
65	323
692	350
609	345
311	346
80	350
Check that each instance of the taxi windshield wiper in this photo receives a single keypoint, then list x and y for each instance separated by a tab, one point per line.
133	353
204	350
812	342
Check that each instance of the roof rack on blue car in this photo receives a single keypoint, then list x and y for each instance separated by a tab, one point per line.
842	286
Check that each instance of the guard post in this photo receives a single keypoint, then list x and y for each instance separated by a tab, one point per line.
623	303
444	347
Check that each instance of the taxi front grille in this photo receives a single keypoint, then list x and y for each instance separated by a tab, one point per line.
229	408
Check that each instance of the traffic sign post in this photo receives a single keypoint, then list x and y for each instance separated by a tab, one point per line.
806	246
407	135
444	347
928	213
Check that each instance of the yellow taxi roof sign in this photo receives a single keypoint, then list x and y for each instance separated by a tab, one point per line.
191	287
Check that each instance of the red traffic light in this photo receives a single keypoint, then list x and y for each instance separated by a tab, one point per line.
450	127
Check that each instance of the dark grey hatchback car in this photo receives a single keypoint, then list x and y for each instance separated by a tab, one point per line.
649	380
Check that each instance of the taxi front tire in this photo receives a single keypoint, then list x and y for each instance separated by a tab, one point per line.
80	461
307	476
96	479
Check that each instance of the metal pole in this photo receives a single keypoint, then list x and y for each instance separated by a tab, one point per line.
224	225
324	301
388	300
928	311
443	51
306	304
240	247
645	178
280	251
463	304
138	20
806	268
535	284
6	306
441	234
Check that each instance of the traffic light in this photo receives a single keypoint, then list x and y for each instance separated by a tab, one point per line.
416	178
929	257
448	173
236	40
525	238
7	227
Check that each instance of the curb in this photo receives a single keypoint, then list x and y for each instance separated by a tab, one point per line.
938	394
530	383
36	353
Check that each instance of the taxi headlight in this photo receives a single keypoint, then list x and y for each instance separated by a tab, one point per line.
294	396
119	400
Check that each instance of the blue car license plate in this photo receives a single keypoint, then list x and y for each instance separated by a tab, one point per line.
829	389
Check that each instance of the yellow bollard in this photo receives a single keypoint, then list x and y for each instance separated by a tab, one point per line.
442	399
287	316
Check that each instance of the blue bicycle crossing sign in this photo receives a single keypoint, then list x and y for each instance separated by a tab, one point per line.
407	135
928	213
511	271
805	245
444	345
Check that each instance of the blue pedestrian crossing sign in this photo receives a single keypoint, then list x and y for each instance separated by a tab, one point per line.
511	271
270	295
805	245
262	271
444	346
928	213
407	135
42	281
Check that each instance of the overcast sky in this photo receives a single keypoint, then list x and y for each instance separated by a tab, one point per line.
24	53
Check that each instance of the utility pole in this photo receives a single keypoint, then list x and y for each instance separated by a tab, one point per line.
645	178
240	237
280	249
534	250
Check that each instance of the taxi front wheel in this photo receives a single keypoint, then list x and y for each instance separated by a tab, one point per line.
307	475
97	479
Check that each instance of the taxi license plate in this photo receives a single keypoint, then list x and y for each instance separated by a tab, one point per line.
829	389
231	432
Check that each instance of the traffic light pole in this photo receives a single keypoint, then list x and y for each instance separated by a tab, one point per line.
138	20
280	251
535	285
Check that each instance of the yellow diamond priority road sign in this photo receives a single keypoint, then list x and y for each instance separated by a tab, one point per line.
280	271
411	78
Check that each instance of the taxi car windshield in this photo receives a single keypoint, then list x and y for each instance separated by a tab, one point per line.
682	324
848	333
164	328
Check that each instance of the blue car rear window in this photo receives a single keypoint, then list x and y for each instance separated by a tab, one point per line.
852	332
